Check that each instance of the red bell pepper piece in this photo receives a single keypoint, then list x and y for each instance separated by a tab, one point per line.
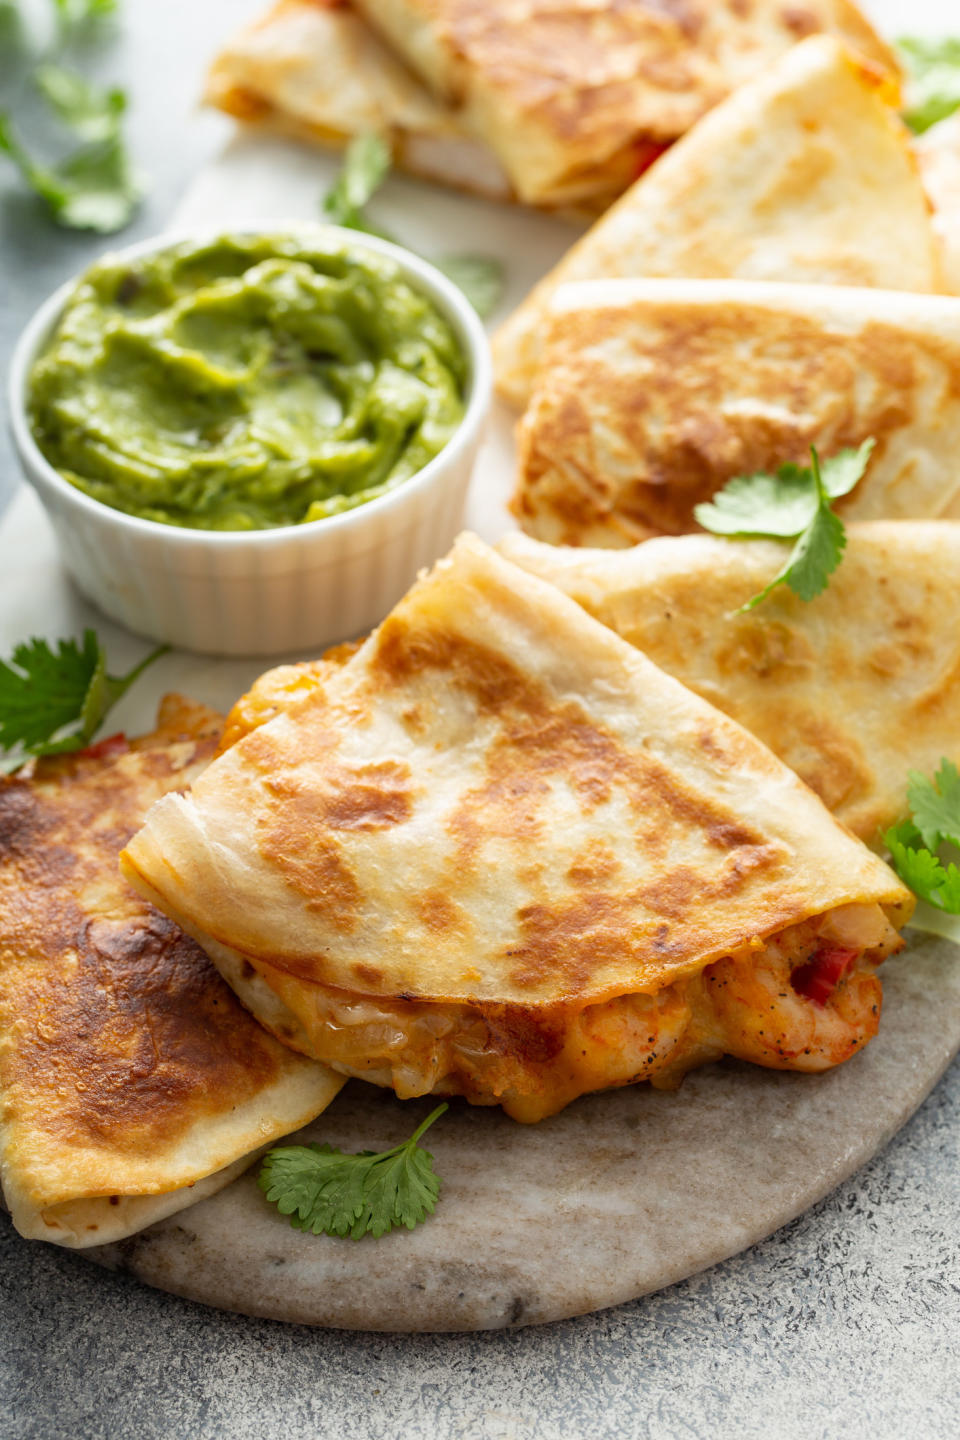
109	745
819	977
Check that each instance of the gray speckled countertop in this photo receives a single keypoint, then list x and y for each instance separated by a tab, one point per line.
845	1323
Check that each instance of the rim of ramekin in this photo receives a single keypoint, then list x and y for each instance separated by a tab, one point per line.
450	300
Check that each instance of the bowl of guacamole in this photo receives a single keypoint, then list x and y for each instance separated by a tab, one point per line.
249	443
245	383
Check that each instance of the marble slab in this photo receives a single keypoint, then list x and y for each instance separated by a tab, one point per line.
621	1194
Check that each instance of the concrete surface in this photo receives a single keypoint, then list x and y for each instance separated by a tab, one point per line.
844	1324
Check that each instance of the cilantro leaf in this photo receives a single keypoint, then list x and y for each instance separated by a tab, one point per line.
936	805
776	506
366	164
916	845
331	1192
91	111
793	504
76	14
46	691
480	277
844	471
919	869
819	548
933	79
93	188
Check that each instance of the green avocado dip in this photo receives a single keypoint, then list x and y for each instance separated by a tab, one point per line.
245	383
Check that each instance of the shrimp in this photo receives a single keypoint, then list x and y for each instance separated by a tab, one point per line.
810	998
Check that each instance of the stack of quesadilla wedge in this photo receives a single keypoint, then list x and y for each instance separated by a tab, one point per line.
655	393
133	1083
499	853
557	107
853	690
804	174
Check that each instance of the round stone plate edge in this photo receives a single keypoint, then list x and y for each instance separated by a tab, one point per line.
621	1194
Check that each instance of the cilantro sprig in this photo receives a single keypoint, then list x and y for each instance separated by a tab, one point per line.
933	79
334	1193
53	699
93	186
366	164
919	845
795	504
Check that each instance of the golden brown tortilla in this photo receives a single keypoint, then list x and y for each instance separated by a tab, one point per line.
853	690
804	174
573	98
655	393
133	1082
561	107
497	838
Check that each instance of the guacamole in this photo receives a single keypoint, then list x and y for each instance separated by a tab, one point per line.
245	383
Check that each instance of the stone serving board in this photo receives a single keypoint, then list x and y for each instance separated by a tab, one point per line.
624	1192
621	1194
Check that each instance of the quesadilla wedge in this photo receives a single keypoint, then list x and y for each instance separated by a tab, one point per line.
499	853
576	99
558	110
133	1083
804	174
655	393
853	690
315	70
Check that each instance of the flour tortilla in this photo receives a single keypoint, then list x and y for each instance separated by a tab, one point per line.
804	174
655	393
561	111
134	1084
575	99
853	690
495	814
319	72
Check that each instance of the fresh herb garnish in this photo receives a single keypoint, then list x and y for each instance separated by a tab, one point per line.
917	846
366	164
793	504
479	277
90	111
933	79
54	699
333	1193
93	186
84	12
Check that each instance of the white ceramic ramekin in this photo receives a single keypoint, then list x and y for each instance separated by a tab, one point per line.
262	592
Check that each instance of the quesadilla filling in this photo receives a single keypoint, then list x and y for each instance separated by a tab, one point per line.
805	999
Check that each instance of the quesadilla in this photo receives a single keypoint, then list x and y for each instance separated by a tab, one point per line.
853	690
499	853
938	151
315	70
133	1082
575	99
558	109
804	174
655	393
